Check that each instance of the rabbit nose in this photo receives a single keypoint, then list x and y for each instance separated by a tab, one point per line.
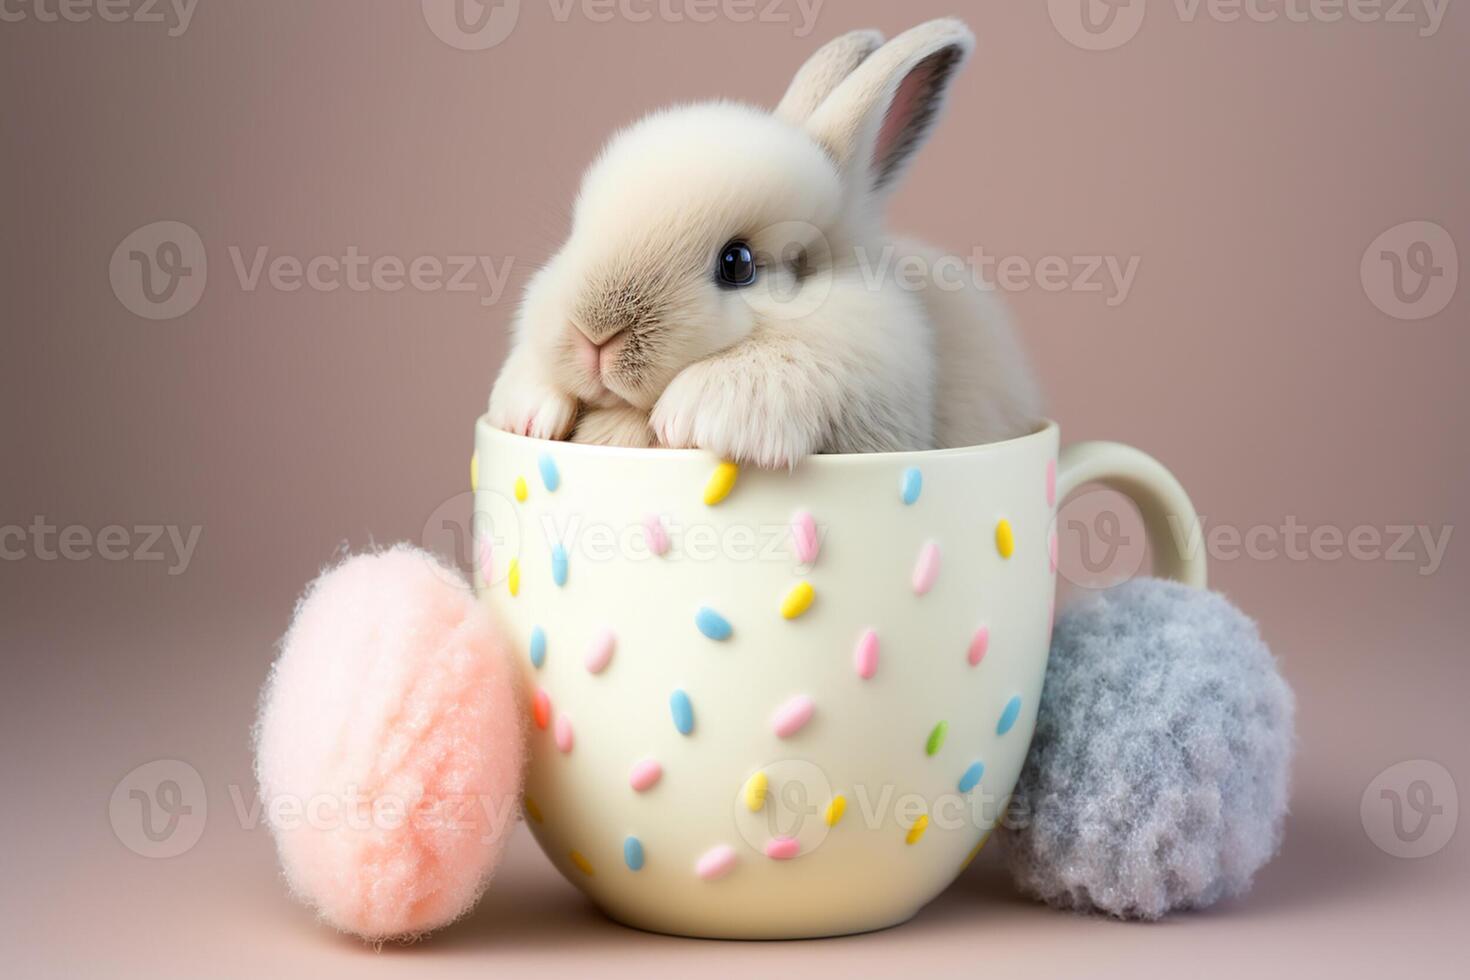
591	351
600	334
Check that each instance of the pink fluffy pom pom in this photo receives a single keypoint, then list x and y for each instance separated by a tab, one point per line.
390	747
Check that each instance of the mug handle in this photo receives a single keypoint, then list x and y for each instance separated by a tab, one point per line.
1167	512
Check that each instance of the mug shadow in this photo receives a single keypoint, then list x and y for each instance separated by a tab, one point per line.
1324	861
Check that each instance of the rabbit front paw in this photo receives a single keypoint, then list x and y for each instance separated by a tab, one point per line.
739	415
532	409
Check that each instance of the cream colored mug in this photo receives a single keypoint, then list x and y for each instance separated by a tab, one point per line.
771	704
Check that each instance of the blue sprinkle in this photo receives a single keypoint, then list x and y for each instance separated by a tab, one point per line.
913	483
549	474
683	712
712	624
538	646
1009	715
633	853
972	776
559	564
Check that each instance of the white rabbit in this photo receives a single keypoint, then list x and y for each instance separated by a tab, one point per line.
728	284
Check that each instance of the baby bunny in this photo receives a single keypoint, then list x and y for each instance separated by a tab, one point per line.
728	283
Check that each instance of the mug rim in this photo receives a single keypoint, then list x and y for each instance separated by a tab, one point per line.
1045	428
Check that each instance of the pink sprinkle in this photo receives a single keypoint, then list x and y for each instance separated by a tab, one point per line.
601	651
793	716
979	645
782	848
1051	483
645	774
927	568
716	862
485	554
804	537
1051	546
658	538
563	733
865	657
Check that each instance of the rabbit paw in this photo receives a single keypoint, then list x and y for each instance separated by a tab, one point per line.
622	426
532	409
739	415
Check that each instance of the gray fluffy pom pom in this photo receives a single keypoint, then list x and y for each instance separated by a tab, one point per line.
1157	779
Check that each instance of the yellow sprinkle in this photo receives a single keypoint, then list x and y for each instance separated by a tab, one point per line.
721	482
533	811
835	810
917	830
798	600
521	491
474	471
975	850
513	579
755	791
1005	539
583	865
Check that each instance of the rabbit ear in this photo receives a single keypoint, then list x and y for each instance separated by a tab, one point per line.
879	115
823	71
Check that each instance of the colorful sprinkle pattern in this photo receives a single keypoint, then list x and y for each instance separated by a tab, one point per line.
683	712
600	653
791	717
911	485
712	624
721	482
926	569
716	862
865	657
538	647
1009	715
798	600
804	541
550	475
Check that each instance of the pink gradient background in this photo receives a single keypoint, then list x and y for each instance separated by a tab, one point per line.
1247	165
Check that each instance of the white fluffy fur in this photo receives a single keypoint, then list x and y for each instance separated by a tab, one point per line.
830	350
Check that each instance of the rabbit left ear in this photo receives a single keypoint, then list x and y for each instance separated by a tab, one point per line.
824	71
881	113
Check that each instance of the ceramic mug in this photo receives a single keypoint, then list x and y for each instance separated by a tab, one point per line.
771	704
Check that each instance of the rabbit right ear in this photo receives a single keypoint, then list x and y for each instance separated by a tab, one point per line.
879	114
824	71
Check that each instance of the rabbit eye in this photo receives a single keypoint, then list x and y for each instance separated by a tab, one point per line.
737	265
